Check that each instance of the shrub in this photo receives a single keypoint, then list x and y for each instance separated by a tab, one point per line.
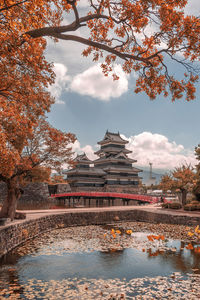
165	205
174	205
195	202
192	206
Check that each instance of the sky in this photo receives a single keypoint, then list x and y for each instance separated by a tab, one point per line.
162	132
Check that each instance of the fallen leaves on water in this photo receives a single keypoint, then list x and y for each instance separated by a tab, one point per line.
118	231
129	231
189	247
152	237
190	233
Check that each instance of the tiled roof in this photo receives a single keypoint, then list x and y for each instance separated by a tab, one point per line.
113	137
120	169
82	158
115	158
112	149
89	171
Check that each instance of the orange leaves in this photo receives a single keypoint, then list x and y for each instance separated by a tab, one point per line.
180	178
42	145
24	77
190	234
195	233
151	238
114	233
162	237
197	229
141	32
155	253
196	249
118	231
129	232
128	23
189	247
87	51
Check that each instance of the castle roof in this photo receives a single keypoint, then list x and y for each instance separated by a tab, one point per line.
82	158
121	156
112	150
112	137
121	168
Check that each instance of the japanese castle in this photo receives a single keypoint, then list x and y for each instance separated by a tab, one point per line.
111	172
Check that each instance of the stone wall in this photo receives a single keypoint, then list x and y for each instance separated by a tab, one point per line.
13	235
107	188
121	189
87	189
34	193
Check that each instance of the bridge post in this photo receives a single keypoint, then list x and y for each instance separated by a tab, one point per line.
84	201
112	202
89	201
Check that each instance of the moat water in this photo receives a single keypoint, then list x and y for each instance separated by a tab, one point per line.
94	265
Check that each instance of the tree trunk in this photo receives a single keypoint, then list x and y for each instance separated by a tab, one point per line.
184	194
10	203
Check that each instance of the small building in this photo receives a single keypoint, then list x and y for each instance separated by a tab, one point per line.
112	171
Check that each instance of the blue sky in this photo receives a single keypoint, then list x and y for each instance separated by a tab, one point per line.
88	104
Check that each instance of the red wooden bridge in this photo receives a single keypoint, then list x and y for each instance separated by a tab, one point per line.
100	196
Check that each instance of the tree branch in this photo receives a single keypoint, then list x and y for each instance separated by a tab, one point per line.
47	31
13	5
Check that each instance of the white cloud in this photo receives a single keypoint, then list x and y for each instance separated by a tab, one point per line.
192	8
83	3
157	149
93	83
90	82
61	82
88	150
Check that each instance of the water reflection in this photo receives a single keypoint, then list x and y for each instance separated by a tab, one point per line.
182	259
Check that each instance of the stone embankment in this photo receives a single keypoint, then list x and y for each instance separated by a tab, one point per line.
37	222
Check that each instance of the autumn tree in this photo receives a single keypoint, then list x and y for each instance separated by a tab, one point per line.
182	179
24	99
144	34
45	147
57	178
197	187
36	174
24	72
